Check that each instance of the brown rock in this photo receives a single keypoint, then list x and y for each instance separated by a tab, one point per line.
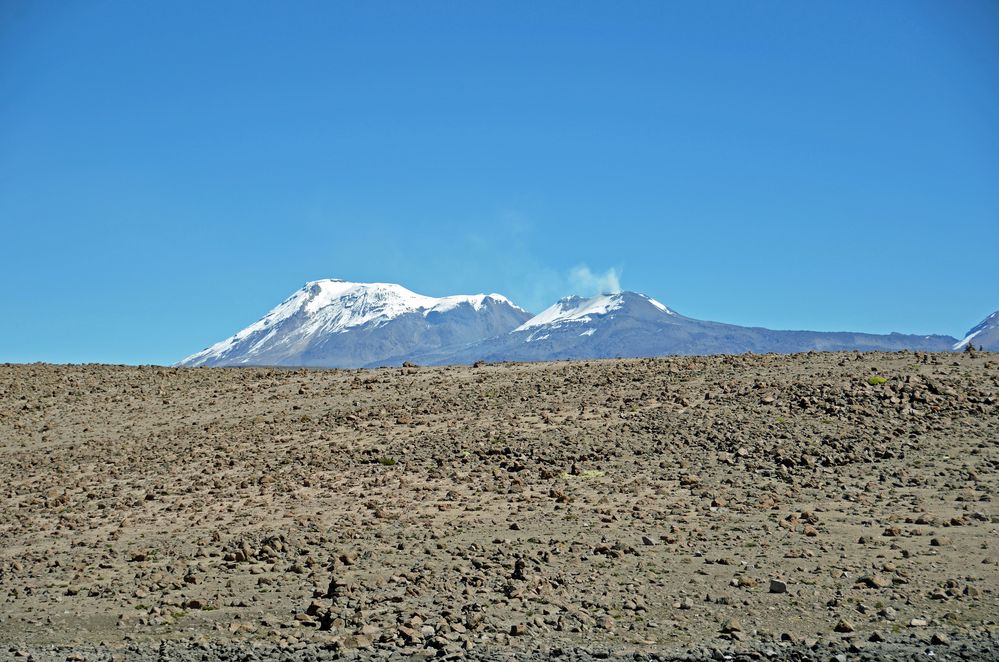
844	626
875	581
352	641
731	625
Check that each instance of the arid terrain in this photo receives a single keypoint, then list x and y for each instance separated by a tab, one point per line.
817	506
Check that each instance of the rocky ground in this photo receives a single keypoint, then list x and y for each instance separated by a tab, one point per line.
819	506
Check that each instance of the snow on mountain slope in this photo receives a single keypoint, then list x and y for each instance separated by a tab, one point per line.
575	309
984	335
336	323
313	316
607	325
629	324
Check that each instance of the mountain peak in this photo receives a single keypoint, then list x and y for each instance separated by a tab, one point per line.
304	323
395	298
573	309
984	333
578	310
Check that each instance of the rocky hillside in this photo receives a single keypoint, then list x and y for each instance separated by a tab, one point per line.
788	508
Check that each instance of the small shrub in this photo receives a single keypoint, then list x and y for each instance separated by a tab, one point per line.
876	380
386	461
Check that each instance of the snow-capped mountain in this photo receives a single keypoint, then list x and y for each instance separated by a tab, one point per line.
336	323
983	336
628	324
576	310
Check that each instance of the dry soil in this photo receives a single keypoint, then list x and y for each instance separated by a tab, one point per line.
784	507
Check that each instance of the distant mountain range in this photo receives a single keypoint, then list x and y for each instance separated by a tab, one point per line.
336	323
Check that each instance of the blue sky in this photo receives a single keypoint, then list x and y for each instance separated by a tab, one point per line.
171	170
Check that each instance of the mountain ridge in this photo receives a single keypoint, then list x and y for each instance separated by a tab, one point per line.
629	324
339	323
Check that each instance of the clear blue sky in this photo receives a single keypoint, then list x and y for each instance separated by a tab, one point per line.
171	170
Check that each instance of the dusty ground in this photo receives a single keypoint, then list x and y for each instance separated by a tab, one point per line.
689	507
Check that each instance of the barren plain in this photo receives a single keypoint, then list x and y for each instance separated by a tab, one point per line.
817	506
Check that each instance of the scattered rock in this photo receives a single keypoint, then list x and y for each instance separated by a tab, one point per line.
353	641
875	581
844	626
517	494
731	625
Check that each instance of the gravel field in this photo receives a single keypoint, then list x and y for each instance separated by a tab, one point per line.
817	506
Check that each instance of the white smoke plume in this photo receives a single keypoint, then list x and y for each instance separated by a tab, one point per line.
587	283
